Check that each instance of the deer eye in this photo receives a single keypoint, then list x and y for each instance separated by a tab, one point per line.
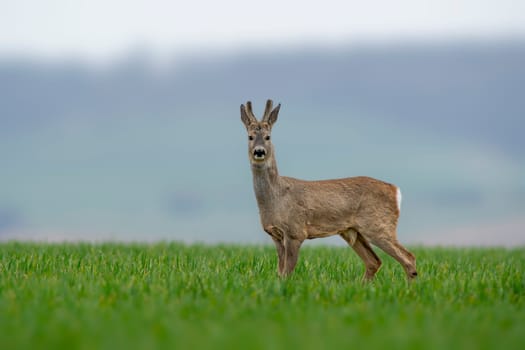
267	137
250	138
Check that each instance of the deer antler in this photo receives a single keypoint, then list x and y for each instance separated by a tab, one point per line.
249	110
267	110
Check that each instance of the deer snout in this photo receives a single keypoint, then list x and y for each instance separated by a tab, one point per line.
259	153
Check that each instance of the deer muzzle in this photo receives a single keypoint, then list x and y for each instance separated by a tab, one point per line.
259	153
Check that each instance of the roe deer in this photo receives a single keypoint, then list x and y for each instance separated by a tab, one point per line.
361	210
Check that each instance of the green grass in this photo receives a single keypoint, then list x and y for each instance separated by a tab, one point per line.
113	296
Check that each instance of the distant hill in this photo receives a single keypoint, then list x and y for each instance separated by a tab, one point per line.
469	90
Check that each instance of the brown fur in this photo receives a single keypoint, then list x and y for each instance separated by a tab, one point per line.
362	210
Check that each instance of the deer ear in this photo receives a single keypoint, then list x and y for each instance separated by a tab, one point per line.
246	119
272	118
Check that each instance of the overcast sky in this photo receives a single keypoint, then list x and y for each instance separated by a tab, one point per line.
101	29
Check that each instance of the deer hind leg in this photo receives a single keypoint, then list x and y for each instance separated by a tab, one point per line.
392	247
291	254
363	249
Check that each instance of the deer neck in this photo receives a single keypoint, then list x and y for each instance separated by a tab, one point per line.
266	183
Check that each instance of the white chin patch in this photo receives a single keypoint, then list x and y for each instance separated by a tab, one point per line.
258	157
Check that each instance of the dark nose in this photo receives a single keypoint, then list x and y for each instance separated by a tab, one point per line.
259	152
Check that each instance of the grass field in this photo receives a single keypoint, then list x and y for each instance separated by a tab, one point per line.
109	296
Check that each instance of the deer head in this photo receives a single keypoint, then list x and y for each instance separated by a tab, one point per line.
260	148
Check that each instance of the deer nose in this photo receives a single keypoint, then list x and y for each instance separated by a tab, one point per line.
259	153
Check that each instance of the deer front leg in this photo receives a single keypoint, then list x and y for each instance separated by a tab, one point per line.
291	254
280	254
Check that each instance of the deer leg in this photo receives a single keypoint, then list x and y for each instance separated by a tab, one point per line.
392	247
280	254
363	249
291	254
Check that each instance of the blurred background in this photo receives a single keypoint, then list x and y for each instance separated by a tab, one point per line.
120	120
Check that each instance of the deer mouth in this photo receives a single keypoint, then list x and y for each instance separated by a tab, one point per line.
259	154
